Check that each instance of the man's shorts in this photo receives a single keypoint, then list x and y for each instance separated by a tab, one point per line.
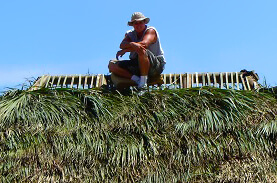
157	64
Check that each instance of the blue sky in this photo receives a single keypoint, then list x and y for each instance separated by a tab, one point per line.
76	37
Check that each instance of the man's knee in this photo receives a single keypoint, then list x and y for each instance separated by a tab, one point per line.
112	66
142	52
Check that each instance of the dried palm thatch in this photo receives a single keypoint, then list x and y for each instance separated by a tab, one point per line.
184	135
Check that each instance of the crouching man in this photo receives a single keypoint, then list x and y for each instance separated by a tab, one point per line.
146	54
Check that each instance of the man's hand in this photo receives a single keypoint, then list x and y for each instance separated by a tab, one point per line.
120	53
138	47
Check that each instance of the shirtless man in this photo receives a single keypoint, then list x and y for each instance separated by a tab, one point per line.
146	54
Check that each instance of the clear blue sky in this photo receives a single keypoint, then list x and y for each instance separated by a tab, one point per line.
71	37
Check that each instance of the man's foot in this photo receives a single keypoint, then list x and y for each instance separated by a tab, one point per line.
142	82
136	79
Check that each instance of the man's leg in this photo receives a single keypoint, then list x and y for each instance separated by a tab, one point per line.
123	72
144	66
114	68
144	63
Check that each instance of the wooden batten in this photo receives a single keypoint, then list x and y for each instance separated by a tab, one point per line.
203	79
191	80
52	81
41	81
97	81
170	79
59	80
164	78
237	80
184	80
181	81
104	81
221	81
92	79
188	80
226	78
64	82
47	82
209	79
85	82
232	80
196	79
79	85
72	81
243	83
247	82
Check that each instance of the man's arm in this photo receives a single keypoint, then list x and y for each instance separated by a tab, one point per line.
149	38
128	46
122	52
125	44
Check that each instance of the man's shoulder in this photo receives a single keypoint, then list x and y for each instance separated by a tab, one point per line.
151	27
130	31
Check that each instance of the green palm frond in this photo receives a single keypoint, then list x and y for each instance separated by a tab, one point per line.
181	135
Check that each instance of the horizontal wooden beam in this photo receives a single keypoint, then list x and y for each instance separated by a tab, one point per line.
228	80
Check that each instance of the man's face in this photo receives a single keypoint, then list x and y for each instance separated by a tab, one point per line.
139	26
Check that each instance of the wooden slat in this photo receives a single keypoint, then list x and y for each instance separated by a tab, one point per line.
209	79
247	82
185	80
104	81
91	84
192	79
41	80
100	80
203	79
227	82
215	80
64	82
243	83
221	80
52	82
181	81
85	83
237	78
72	81
232	80
80	81
256	86
97	81
47	82
175	81
170	79
59	80
196	79
188	80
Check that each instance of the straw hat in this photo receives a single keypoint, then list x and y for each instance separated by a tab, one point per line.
138	16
